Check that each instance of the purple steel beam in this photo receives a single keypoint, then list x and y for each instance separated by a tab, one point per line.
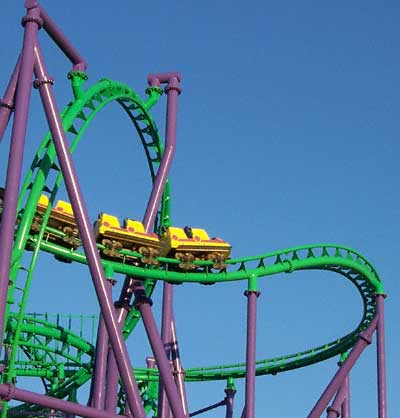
100	365
230	394
364	339
207	408
346	402
9	392
252	296
179	373
55	33
32	22
7	103
163	410
143	303
112	372
43	82
123	306
335	409
172	90
381	356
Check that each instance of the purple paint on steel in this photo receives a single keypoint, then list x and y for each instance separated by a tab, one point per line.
112	372
143	304
86	233
100	365
123	305
155	80
9	392
230	394
15	158
172	90
381	357
7	103
207	408
179	373
335	409
163	409
251	352
364	339
55	33
346	402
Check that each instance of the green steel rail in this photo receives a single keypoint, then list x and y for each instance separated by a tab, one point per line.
64	360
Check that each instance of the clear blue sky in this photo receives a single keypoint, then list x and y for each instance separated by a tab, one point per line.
287	135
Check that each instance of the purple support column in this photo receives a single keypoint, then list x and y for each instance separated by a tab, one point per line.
163	410
172	90
32	22
381	356
364	339
7	103
112	372
230	394
144	305
9	392
346	402
43	82
335	409
252	295
100	365
55	33
179	373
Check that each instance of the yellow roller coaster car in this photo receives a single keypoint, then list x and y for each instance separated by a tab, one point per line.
131	236
191	244
185	244
61	218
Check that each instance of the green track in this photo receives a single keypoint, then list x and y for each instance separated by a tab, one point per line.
53	352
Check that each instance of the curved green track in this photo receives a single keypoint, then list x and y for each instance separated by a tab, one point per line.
63	359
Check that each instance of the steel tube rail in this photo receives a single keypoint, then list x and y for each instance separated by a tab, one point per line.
381	357
56	34
13	177
7	103
143	303
364	339
87	237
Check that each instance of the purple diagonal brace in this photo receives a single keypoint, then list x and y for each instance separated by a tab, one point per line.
11	392
7	103
55	33
16	156
381	359
364	339
86	233
143	304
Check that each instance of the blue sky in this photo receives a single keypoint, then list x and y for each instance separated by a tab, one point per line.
287	135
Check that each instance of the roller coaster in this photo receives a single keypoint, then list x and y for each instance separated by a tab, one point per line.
49	349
